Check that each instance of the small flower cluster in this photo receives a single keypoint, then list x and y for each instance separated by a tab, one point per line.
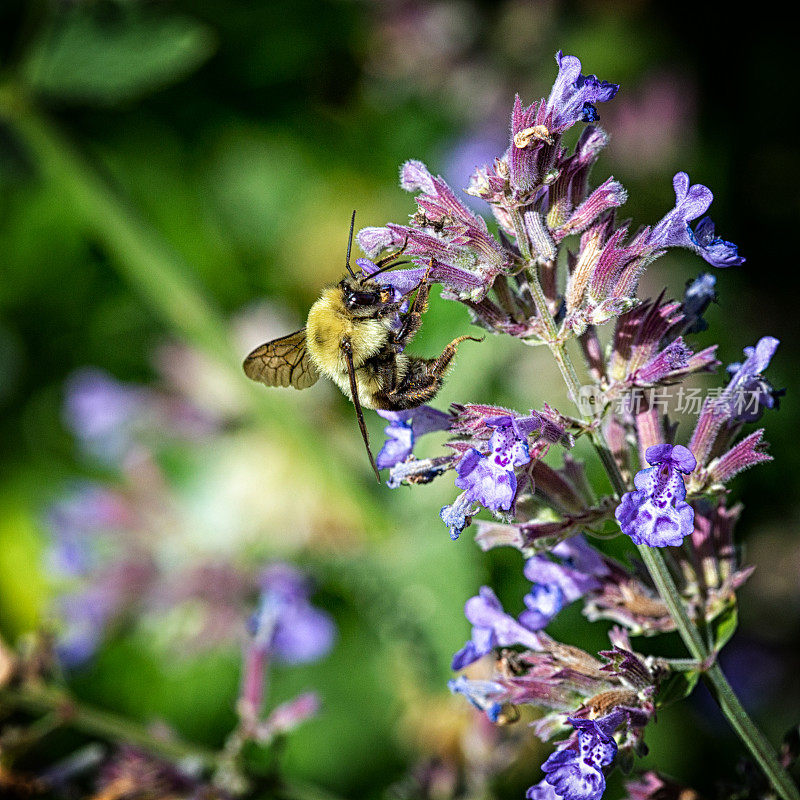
494	450
666	493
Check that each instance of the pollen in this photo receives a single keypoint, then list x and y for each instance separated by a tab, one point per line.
527	135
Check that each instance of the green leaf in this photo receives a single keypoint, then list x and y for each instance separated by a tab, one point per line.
724	625
676	687
89	58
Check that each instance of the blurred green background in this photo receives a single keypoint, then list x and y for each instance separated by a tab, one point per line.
176	180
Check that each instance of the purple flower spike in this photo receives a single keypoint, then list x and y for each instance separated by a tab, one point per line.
404	428
577	774
491	627
657	514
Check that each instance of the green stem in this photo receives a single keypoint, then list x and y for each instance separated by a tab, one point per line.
754	740
103	724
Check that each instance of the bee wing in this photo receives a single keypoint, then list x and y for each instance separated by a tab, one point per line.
282	362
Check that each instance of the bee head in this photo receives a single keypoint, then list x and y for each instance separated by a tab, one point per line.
363	297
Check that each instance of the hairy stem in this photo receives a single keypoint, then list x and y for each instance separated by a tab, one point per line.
103	724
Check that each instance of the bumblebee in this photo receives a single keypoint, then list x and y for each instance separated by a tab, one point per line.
356	335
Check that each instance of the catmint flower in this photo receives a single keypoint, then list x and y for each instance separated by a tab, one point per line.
489	479
699	294
748	392
482	694
574	96
576	770
558	583
404	428
713	249
286	625
491	627
657	514
674	229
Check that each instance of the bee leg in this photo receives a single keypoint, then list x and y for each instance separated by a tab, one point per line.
412	319
439	366
388	259
421	382
347	349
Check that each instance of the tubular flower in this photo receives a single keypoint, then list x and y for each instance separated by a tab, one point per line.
674	229
576	773
657	514
491	627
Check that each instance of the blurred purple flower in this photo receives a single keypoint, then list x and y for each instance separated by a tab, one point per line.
75	520
481	694
657	514
286	625
102	412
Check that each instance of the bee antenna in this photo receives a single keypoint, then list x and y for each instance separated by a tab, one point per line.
350	244
387	267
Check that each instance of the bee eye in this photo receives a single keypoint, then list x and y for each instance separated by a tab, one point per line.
362	299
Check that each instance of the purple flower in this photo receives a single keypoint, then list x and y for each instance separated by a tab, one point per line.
286	625
558	583
657	514
749	393
699	294
674	230
577	774
490	479
481	694
573	96
76	521
713	249
103	412
404	428
542	791
491	627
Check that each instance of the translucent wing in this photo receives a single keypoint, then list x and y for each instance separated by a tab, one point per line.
282	362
